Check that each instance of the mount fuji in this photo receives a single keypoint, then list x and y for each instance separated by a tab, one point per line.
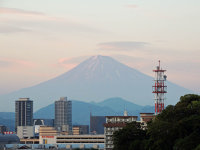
95	79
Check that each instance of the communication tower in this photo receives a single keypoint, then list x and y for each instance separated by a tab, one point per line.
159	89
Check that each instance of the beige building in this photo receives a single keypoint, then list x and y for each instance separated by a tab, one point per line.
83	139
114	123
76	130
80	129
48	135
145	118
25	131
29	141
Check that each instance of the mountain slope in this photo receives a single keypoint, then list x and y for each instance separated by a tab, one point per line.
81	110
8	119
97	78
119	104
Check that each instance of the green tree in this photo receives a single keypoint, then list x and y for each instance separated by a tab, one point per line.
130	137
176	128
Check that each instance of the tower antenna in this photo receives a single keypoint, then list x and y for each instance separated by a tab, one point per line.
159	89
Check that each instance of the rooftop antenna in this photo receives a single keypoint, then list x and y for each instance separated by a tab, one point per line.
125	111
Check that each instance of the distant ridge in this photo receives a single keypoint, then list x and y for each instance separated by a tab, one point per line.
83	116
97	109
97	78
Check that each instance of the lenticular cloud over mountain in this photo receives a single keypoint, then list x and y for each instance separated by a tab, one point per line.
95	79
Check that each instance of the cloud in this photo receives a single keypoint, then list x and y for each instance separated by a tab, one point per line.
69	63
122	46
132	6
11	29
4	63
138	62
66	63
10	24
4	10
19	20
7	63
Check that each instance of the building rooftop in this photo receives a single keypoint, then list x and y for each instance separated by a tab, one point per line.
24	99
9	139
63	98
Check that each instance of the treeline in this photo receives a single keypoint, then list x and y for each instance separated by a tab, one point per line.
176	128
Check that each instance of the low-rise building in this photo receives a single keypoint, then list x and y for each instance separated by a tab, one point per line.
29	141
80	129
83	139
114	123
48	135
41	122
25	132
145	118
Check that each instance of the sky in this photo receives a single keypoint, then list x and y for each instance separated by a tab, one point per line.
41	39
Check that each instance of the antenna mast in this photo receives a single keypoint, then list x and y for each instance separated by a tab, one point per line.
159	89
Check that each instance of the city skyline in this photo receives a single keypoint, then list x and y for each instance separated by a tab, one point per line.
43	39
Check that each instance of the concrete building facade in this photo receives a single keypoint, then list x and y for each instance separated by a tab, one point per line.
145	118
63	115
72	139
96	124
23	112
42	122
25	132
114	123
49	135
80	129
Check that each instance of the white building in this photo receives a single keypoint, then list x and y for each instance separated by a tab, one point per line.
114	123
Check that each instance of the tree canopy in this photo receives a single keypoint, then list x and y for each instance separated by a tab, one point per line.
129	137
176	128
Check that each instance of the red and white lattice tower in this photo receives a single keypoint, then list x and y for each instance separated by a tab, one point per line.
159	89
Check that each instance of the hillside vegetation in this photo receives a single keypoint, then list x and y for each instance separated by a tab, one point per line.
176	128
